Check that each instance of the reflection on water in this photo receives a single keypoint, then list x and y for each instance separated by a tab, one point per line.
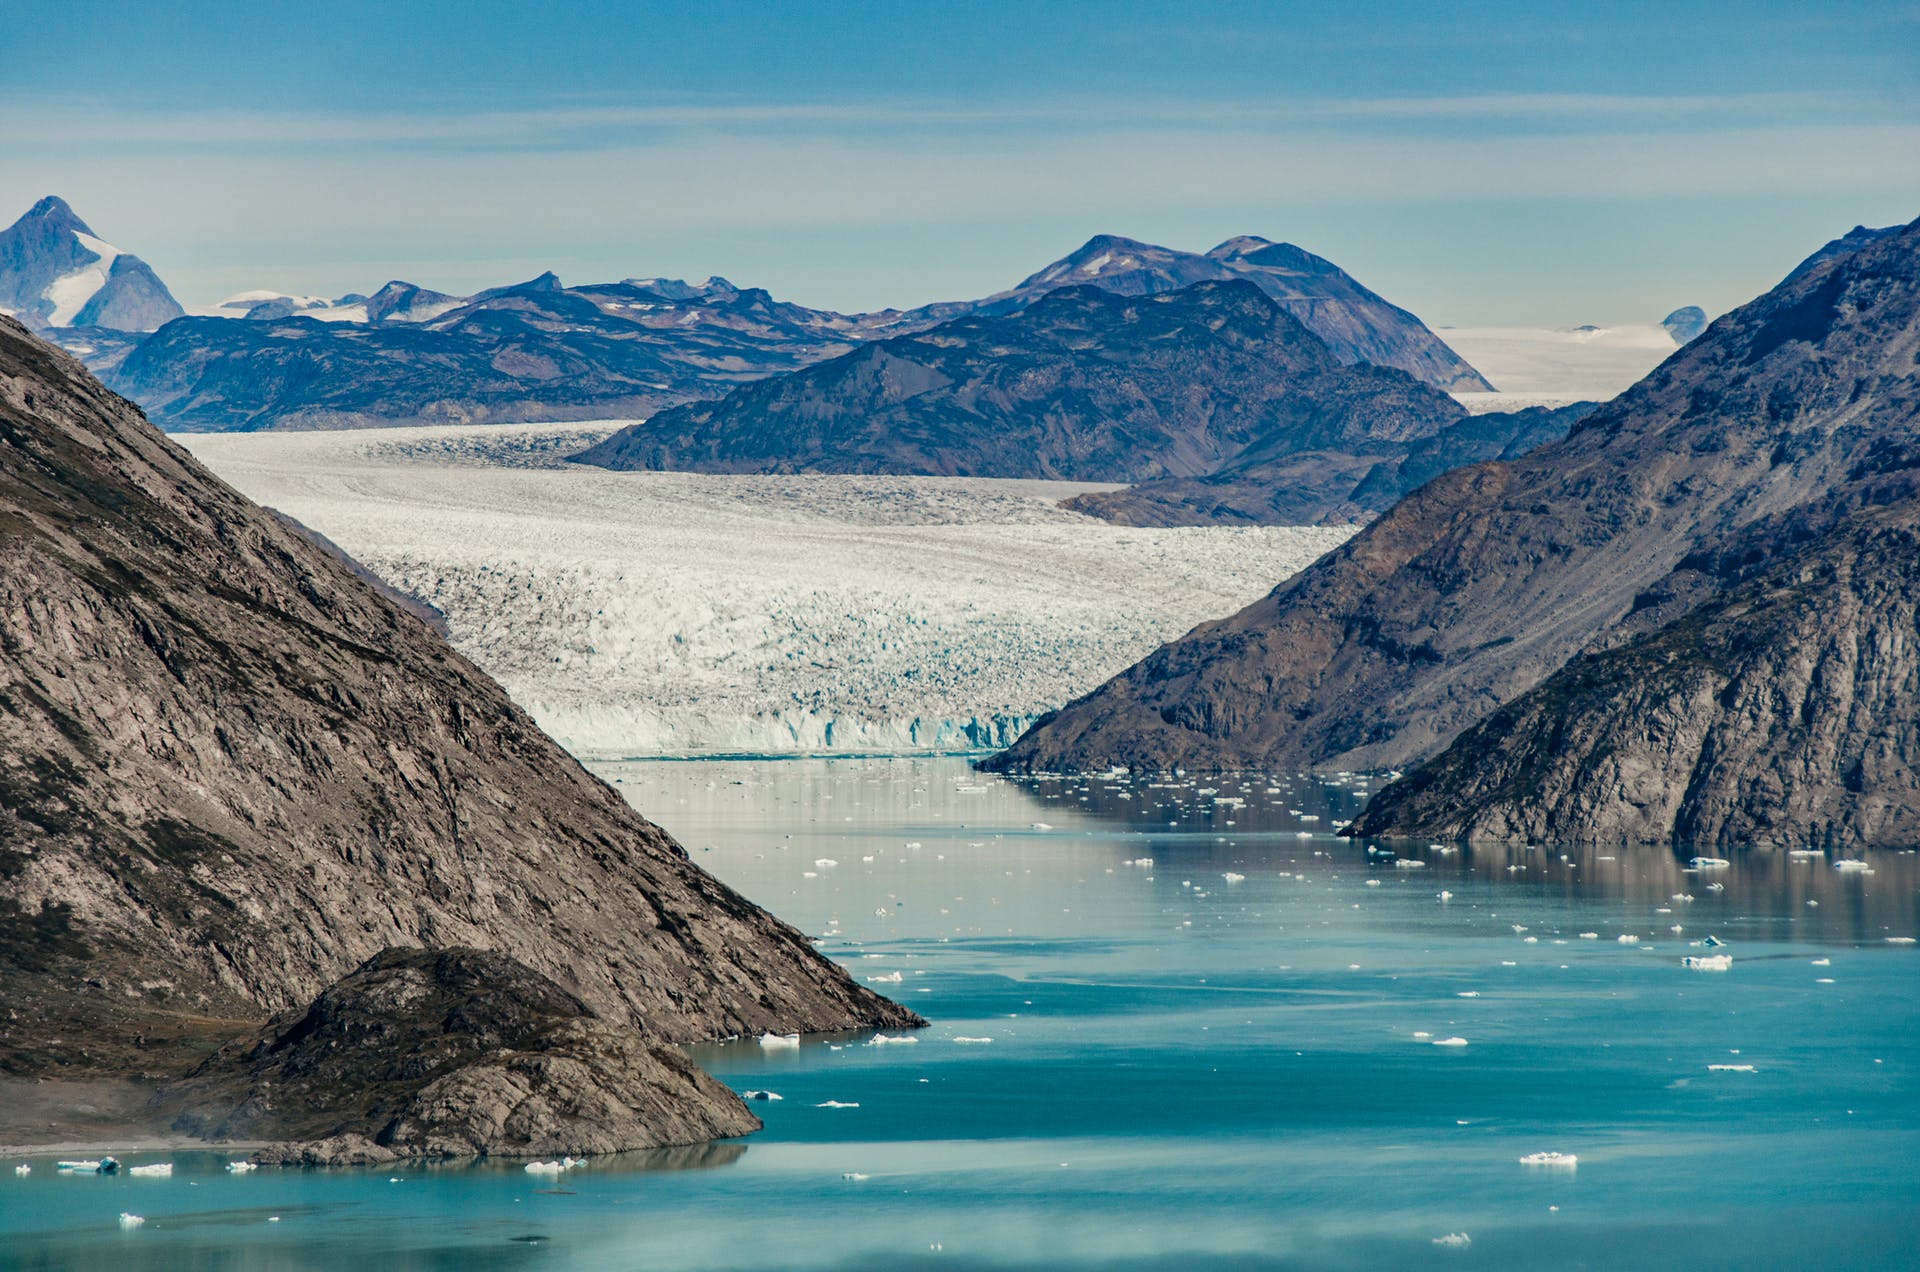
1182	1024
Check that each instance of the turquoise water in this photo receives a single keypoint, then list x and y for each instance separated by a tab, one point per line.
1187	1069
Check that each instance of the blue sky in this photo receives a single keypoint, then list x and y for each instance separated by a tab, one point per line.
1478	163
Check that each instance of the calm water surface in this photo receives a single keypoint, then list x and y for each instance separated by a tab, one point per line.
1180	1025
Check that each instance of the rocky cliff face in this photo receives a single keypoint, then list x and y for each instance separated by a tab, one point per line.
1785	712
1083	385
1489	579
231	772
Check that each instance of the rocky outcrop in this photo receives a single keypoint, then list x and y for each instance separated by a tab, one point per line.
450	1053
231	772
1489	579
1084	385
55	272
1785	713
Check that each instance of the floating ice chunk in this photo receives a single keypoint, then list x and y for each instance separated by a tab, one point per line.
973	1041
1823	962
1422	1034
1627	938
1551	1160
545	1168
1373	883
1804	853
884	1040
1234	876
1824	980
1529	940
1709	863
1713	942
1040	826
780	1042
836	1104
1457	1240
760	1095
242	1168
1708	962
1731	1068
154	1170
131	1221
1589	936
1519	927
854	1175
1468	993
1444	895
1405	864
1449	1042
825	863
23	1169
889	978
1899	940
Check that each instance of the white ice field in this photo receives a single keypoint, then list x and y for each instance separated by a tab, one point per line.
1533	366
675	614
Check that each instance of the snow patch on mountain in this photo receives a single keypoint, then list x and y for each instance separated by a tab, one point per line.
679	613
70	292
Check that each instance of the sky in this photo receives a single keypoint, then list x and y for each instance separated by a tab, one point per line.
1480	162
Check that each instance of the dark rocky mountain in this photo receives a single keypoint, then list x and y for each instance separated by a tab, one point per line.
1847	244
1685	323
55	272
231	773
451	1053
1488	580
1084	384
534	351
1783	712
1357	325
1354	480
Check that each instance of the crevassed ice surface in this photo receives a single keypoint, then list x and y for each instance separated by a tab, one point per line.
675	613
1224	1058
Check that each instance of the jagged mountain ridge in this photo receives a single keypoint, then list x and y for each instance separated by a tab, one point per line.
1488	580
231	772
55	272
1084	385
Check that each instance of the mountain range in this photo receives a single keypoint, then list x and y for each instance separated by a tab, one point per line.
234	777
1684	620
542	351
1088	384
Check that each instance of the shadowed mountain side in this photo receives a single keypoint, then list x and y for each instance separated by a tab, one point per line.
1327	487
1487	580
1784	713
230	772
1084	385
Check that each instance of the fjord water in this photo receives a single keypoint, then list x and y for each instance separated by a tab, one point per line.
1227	1057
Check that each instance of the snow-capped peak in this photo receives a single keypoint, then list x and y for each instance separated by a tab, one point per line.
69	293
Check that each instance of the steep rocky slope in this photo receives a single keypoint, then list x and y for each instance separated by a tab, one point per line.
1784	712
231	772
1489	579
1083	385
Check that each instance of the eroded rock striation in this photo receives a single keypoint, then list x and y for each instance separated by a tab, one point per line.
231	772
1624	542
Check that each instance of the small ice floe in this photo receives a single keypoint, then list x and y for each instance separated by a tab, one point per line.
242	1167
824	863
1804	853
1823	962
780	1042
1468	993
23	1169
1449	1042
1519	927
1708	962
1405	864
972	1041
1551	1161
90	1166
1040	826
836	1104
760	1095
1234	876
131	1221
1716	887
1627	938
1850	866
854	1176
1899	940
884	1040
154	1170
887	978
1589	936
1373	883
1731	1068
545	1168
1145	863
1456	1240
1713	942
1709	863
1443	895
